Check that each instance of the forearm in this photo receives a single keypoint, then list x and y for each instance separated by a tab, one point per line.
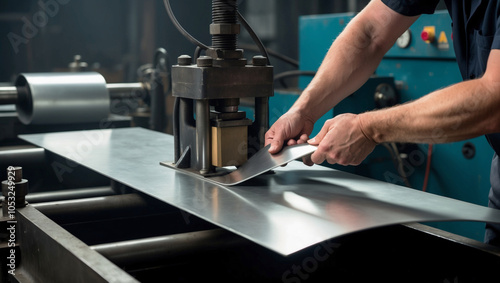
458	112
350	61
352	58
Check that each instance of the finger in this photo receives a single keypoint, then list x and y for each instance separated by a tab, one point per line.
327	150
303	139
276	146
276	142
291	142
318	157
320	136
307	160
268	137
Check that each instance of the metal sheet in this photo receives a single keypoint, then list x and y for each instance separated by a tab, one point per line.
262	162
258	164
294	208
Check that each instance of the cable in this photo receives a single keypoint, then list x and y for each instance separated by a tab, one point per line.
427	167
398	162
196	42
254	36
197	53
188	36
271	52
294	73
401	168
279	77
393	158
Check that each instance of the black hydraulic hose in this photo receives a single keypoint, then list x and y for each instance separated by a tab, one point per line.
279	77
197	53
202	46
294	73
180	28
254	36
272	53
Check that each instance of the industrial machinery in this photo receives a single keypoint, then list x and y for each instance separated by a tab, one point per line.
77	100
83	98
116	215
221	136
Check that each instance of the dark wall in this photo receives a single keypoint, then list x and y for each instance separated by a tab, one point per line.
117	36
194	16
42	38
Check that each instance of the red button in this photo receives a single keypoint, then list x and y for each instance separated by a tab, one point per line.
428	34
425	35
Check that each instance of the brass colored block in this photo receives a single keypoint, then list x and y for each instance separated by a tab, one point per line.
229	146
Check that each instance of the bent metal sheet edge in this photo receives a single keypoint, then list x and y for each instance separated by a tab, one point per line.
262	162
294	208
258	164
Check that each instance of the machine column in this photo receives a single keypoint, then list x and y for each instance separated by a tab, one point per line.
203	135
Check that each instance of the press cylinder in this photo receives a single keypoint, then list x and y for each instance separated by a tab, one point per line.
62	98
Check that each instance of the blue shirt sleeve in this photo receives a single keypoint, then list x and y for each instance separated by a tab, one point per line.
412	7
496	40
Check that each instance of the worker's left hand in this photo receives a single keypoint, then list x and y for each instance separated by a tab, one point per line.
341	141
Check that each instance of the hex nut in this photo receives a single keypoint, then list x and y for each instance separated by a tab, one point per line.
224	29
225	54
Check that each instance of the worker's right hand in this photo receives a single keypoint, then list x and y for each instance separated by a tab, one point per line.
292	128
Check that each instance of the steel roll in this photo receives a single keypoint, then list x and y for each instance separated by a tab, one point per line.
62	98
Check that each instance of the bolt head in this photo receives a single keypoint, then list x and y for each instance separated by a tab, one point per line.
259	60
184	60
204	61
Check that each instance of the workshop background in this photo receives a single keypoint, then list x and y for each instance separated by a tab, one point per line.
122	35
120	39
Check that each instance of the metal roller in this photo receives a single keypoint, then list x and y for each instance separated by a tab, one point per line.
169	247
62	98
8	95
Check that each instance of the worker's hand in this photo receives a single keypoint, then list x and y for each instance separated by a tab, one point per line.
291	128
342	141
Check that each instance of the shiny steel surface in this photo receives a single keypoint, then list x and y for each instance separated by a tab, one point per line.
203	129
262	162
62	98
170	247
294	208
8	95
124	87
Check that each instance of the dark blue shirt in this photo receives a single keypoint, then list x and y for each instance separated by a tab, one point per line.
476	30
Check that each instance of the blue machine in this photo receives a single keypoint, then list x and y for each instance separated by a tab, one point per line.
411	69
